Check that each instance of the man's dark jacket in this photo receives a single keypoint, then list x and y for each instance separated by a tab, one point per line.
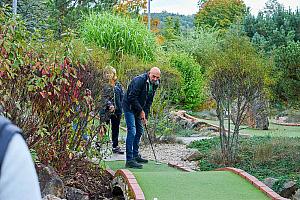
137	98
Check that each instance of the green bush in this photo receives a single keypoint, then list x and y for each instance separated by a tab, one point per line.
120	35
202	44
192	87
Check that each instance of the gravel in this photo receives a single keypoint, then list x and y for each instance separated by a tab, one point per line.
166	153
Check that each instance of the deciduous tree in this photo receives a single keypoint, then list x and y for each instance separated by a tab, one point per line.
220	13
237	77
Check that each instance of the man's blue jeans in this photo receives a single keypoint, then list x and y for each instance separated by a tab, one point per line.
134	132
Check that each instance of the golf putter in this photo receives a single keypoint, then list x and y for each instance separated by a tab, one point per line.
148	135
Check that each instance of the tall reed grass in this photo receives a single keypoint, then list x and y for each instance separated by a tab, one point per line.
119	35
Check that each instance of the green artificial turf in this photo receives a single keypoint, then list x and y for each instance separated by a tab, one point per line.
274	130
213	185
149	167
167	183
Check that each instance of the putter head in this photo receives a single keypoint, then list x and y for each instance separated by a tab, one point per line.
157	163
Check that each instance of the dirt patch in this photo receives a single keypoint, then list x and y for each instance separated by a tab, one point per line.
90	178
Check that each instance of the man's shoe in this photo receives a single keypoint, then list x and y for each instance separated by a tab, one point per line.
117	150
139	159
133	164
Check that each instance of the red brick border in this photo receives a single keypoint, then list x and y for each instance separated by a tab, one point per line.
132	183
255	182
180	167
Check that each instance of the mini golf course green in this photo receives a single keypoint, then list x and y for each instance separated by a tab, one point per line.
165	183
273	131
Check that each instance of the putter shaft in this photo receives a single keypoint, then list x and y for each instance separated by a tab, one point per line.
150	142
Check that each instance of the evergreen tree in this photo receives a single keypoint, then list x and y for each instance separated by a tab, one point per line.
177	26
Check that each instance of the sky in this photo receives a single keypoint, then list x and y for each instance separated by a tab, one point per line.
188	7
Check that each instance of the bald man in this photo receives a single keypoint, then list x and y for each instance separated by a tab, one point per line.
136	105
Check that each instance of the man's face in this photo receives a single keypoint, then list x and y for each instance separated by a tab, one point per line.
154	77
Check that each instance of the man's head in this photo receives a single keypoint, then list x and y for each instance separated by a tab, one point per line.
154	75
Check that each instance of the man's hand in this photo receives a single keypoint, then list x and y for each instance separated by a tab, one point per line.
143	118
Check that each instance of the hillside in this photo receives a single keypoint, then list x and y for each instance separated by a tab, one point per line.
186	21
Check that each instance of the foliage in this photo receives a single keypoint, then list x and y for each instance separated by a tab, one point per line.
201	44
287	70
220	13
57	15
66	14
177	26
34	13
171	29
206	145
274	32
192	87
262	157
130	66
119	35
131	7
273	27
237	77
186	21
45	91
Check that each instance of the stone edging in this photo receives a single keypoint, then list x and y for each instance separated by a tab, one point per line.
134	190
180	167
110	172
286	124
255	182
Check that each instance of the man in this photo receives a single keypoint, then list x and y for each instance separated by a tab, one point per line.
136	105
18	178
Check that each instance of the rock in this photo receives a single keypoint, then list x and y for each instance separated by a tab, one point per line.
76	194
296	196
55	187
51	197
282	119
50	182
189	140
191	123
289	116
250	118
260	111
168	139
289	188
270	182
193	156
256	113
184	120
